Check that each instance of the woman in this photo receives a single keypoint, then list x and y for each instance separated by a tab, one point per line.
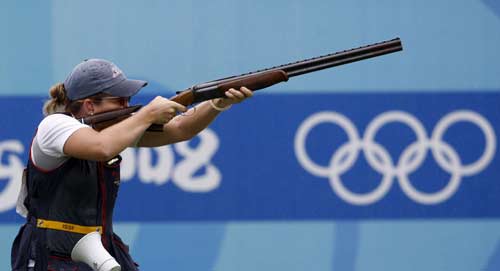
72	176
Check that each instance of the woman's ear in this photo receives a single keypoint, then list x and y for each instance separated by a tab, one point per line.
89	106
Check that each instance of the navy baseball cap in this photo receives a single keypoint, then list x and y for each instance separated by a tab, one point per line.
93	76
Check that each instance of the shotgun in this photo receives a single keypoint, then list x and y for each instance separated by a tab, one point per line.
254	80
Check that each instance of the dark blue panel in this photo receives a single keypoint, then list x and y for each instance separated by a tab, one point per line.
252	170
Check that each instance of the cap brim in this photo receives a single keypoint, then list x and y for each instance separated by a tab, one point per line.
126	88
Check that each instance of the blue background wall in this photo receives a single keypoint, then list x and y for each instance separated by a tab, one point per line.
240	196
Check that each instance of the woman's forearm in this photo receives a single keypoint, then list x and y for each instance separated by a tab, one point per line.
195	120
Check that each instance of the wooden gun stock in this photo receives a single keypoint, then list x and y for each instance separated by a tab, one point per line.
105	119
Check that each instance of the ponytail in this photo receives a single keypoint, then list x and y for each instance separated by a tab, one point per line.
58	100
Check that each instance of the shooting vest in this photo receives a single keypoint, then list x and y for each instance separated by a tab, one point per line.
65	204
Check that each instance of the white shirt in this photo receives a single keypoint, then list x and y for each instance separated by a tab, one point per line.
48	144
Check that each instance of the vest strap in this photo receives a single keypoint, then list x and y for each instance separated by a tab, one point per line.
64	226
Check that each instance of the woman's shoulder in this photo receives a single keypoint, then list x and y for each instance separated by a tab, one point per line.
58	117
58	121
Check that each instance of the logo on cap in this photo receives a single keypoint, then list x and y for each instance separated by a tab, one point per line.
116	71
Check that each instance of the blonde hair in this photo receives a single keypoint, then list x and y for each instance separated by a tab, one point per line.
58	101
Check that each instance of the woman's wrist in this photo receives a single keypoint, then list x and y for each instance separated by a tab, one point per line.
145	115
219	105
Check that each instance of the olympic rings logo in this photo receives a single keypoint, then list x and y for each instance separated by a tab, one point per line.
411	158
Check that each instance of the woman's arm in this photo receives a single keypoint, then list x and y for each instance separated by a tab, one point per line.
86	143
